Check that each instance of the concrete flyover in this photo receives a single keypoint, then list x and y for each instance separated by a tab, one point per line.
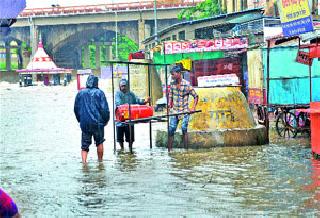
70	29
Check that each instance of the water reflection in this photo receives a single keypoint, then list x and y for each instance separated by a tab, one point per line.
92	181
40	165
127	161
257	178
314	187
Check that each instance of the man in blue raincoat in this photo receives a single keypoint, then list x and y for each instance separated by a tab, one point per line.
92	111
124	96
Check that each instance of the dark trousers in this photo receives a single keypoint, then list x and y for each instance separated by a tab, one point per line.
125	131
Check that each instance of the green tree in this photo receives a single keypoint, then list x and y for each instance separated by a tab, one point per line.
204	9
125	47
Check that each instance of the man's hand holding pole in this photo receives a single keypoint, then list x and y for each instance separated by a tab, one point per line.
194	105
147	100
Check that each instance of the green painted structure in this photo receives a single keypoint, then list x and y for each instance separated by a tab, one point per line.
290	80
159	58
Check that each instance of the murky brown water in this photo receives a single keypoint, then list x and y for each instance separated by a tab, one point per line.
40	167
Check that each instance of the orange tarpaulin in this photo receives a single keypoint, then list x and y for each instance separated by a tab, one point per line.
314	51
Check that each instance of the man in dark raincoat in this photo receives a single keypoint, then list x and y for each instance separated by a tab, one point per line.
92	111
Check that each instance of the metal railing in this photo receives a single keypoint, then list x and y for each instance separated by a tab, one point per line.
255	26
85	9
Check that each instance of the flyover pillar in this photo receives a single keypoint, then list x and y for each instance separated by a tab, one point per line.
33	35
141	32
8	56
20	59
147	30
108	52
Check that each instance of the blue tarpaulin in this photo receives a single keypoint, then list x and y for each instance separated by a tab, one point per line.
11	8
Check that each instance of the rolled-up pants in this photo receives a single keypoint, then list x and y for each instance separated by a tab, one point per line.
174	121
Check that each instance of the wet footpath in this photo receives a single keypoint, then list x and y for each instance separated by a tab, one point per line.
40	166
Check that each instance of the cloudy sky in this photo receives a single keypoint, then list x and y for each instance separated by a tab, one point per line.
48	3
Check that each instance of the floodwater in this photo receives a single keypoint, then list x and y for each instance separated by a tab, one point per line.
40	166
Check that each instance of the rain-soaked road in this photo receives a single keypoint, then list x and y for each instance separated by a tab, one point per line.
40	166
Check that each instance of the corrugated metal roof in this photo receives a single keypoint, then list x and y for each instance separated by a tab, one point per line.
310	35
223	17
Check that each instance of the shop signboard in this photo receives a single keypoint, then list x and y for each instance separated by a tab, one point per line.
295	17
216	67
304	58
218	80
205	45
255	96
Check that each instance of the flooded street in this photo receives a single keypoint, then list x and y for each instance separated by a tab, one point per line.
40	166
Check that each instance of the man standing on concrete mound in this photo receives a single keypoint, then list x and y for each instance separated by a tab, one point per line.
180	89
92	111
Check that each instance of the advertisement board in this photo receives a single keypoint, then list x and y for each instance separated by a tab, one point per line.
304	58
218	80
204	45
223	66
295	17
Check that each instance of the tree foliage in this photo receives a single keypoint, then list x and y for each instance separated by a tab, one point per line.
125	47
204	9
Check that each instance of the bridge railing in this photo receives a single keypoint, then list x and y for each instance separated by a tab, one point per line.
85	9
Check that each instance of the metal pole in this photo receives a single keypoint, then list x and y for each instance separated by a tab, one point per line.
130	124
150	94
113	111
167	94
268	86
167	97
116	29
310	76
116	32
155	20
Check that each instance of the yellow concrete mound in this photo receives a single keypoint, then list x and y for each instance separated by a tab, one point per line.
225	120
222	108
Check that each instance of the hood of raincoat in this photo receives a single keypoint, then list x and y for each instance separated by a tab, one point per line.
123	82
92	81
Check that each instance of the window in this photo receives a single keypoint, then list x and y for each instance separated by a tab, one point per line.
204	33
182	35
174	37
244	4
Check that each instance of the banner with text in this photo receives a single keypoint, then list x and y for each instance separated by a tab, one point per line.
295	17
203	45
